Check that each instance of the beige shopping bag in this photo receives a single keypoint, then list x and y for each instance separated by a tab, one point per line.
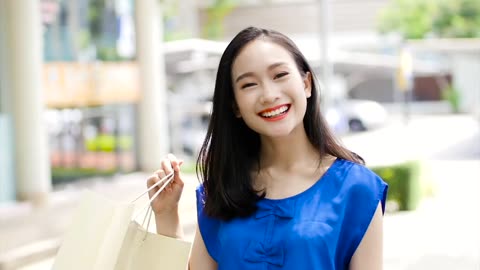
145	250
104	236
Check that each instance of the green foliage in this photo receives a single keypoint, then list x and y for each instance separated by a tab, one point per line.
215	15
189	167
415	19
175	35
458	19
170	14
411	18
452	95
83	39
110	54
66	175
404	183
109	143
95	12
95	35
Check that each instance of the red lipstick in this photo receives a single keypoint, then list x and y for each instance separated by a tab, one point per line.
279	116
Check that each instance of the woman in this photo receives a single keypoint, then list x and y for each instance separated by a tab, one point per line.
278	190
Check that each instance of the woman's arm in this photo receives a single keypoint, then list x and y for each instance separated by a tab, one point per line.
369	254
165	207
168	224
199	257
165	204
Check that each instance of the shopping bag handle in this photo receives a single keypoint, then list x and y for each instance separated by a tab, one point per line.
164	182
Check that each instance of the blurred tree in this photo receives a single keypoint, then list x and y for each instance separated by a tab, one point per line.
410	18
216	12
96	9
96	33
416	19
458	19
171	13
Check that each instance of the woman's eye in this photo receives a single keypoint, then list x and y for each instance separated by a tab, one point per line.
248	85
280	75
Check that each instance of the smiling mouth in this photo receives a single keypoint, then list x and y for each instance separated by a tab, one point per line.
281	110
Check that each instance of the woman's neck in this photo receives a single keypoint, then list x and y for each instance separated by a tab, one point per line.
288	166
289	152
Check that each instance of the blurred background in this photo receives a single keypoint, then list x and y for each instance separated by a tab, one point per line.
93	93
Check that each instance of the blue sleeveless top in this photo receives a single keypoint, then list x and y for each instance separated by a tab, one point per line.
319	228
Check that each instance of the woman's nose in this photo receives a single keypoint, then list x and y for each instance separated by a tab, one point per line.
269	94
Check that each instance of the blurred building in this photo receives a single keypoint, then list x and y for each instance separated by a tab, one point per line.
463	56
298	17
96	117
367	62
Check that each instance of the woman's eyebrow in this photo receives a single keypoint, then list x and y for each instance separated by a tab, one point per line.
244	75
248	74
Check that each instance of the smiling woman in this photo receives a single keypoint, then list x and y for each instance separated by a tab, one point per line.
270	86
278	190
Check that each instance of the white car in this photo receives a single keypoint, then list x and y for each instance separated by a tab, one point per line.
355	115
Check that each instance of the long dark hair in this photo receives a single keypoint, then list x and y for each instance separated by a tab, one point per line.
231	148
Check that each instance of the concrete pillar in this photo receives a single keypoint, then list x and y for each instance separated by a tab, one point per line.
153	139
4	100
23	34
7	181
466	68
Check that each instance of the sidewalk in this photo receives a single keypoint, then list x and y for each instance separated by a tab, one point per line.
442	234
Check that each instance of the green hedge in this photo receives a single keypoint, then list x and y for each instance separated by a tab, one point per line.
66	175
108	143
404	183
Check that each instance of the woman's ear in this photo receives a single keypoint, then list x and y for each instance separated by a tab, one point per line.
307	82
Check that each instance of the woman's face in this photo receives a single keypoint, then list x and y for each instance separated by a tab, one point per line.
270	93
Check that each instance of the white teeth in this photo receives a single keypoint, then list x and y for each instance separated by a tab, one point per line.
275	112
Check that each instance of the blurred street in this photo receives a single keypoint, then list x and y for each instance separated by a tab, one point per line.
106	88
441	234
424	137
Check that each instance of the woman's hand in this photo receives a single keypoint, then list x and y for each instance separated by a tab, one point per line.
166	203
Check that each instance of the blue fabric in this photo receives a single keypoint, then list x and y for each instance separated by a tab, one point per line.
319	228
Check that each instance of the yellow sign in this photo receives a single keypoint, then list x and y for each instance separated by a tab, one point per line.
405	70
89	84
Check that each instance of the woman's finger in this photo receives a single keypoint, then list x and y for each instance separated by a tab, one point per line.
160	174
152	180
166	166
175	163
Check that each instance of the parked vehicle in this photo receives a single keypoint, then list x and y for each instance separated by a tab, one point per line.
353	115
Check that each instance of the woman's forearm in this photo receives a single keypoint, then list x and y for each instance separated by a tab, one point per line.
168	224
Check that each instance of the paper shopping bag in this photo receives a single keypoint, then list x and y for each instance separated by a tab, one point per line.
143	250
103	236
95	235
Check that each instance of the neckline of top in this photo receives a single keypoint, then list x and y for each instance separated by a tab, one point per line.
322	179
